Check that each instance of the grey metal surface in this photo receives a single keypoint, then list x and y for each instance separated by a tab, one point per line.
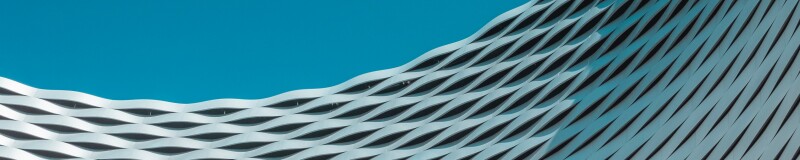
608	79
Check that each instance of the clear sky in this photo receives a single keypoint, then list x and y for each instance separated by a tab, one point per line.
188	51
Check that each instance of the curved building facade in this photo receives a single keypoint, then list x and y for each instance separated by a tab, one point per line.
593	79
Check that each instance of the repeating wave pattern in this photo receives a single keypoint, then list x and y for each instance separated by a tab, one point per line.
593	79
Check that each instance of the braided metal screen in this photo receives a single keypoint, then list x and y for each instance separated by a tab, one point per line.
610	79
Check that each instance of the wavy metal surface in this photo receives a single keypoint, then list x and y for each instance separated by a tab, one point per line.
592	79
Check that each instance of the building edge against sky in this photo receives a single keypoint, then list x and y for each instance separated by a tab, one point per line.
186	51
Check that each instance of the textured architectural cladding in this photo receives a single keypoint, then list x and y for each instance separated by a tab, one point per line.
554	79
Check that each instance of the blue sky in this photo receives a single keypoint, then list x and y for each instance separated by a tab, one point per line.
188	51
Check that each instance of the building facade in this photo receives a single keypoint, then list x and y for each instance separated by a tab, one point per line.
593	79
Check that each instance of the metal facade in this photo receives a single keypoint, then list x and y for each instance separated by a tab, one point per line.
610	79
